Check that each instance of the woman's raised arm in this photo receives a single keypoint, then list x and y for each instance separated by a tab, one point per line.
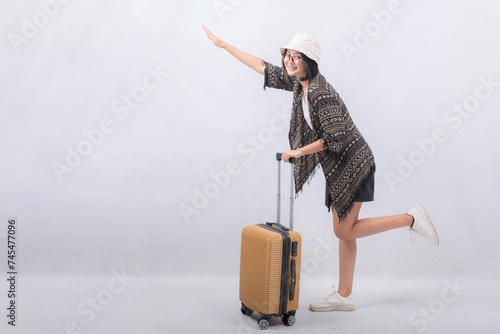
253	62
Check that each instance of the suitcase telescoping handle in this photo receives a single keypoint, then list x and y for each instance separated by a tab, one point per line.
292	191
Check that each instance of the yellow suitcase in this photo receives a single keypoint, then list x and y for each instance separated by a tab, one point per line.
270	267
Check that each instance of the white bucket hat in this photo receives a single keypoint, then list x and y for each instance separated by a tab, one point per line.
306	44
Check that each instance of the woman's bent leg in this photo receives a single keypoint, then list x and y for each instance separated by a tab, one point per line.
351	229
348	231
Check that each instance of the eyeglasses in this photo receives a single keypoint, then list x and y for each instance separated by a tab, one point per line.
295	59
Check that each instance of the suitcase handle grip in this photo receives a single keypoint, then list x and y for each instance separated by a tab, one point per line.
279	225
278	158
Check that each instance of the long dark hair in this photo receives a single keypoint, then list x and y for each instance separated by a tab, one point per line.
310	65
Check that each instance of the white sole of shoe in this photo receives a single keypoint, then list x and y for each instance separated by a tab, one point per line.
330	309
427	220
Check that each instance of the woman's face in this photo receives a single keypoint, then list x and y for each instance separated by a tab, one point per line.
294	63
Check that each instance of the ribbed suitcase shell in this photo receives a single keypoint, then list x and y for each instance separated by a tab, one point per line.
261	270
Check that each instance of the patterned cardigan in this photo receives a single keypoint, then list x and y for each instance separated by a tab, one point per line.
347	160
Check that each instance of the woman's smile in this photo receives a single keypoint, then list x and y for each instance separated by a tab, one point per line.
294	70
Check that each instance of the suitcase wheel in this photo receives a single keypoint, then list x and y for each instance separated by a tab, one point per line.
245	310
288	319
263	323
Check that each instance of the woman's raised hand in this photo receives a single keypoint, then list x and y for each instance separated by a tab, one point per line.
253	62
213	38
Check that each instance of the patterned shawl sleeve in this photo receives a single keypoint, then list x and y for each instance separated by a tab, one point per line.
332	114
277	77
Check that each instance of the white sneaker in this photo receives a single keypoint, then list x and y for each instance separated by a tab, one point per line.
333	302
423	225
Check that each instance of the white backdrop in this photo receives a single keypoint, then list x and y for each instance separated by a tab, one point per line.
131	142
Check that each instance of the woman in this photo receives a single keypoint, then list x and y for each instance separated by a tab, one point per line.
323	133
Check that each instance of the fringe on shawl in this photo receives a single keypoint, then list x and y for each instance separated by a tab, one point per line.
349	208
309	178
347	211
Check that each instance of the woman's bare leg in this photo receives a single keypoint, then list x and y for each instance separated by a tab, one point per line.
351	229
347	260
